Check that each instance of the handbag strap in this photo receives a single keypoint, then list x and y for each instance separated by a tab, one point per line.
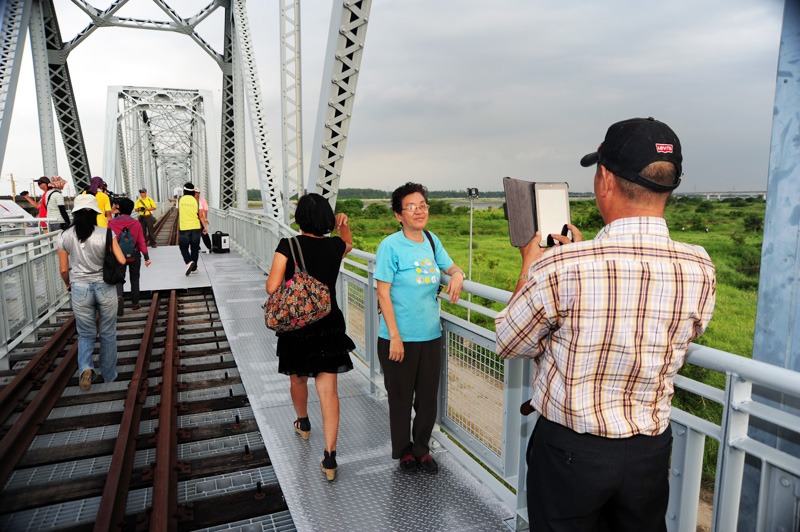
302	263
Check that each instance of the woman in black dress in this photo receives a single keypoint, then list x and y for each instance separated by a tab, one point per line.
321	349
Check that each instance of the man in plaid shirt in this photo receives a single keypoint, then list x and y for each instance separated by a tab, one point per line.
608	322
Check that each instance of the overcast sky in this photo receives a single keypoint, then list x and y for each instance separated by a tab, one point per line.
458	93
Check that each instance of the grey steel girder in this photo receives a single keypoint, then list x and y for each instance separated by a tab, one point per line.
269	195
227	172
64	99
346	38
44	97
291	106
14	16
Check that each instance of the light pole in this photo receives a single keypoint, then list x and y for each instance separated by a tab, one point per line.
472	193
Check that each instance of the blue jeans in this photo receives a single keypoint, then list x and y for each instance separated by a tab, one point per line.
189	238
88	298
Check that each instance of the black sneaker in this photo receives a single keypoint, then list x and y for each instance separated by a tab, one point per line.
428	464
189	268
408	463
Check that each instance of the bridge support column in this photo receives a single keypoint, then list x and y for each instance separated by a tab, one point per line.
778	315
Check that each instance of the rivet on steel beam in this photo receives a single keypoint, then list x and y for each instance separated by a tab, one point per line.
259	494
676	472
681	432
785	482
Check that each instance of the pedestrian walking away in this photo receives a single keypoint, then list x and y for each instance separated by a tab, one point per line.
190	228
408	268
203	211
145	207
320	350
126	227
608	322
81	251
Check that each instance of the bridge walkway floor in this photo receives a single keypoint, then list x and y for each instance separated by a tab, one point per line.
369	492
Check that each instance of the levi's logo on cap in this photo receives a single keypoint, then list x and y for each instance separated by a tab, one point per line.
664	148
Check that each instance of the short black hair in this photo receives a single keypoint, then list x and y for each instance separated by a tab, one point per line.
125	205
314	215
405	190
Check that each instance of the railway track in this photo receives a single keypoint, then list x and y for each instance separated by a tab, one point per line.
171	445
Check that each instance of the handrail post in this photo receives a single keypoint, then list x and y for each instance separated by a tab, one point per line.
371	323
730	463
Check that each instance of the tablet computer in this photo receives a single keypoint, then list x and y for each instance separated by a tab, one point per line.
532	207
552	209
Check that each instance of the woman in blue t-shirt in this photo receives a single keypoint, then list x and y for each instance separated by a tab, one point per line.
409	265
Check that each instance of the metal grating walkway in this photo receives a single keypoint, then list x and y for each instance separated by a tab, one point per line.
369	492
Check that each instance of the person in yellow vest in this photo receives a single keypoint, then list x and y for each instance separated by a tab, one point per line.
145	207
96	189
190	228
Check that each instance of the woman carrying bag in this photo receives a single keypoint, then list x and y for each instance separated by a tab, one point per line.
320	349
81	254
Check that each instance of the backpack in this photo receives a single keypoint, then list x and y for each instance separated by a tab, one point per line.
127	245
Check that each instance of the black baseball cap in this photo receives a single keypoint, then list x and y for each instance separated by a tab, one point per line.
142	189
633	144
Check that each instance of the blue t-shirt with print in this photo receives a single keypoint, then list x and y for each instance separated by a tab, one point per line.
414	272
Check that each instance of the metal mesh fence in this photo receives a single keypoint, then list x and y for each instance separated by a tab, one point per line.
15	304
475	382
354	314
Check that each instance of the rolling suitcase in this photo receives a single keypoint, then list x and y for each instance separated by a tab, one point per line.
220	242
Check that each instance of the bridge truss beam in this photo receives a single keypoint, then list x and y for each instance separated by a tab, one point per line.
291	106
156	138
346	39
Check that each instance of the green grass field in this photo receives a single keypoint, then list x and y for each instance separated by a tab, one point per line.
733	242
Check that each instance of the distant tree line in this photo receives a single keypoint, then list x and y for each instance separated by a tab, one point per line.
254	194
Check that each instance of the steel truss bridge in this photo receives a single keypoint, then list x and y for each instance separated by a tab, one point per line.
158	138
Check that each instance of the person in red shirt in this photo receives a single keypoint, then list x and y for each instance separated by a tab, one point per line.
123	221
44	185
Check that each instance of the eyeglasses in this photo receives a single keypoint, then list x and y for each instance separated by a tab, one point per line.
412	208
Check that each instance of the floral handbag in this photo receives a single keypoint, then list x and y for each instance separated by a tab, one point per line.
298	302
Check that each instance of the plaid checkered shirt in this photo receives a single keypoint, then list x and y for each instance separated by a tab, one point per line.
608	322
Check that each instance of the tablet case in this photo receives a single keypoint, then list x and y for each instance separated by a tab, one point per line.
520	210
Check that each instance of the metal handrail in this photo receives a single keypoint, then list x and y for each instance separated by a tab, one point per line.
30	288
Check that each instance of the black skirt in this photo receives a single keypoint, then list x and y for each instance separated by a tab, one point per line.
322	347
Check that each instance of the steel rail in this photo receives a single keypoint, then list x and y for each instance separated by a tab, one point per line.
111	513
19	437
164	515
173	235
14	393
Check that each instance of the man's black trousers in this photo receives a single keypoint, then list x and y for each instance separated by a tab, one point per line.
582	482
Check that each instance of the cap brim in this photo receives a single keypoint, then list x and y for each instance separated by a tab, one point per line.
590	159
95	209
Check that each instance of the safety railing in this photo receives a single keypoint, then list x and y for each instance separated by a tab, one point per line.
31	289
480	395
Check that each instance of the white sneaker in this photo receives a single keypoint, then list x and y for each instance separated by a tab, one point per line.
189	268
